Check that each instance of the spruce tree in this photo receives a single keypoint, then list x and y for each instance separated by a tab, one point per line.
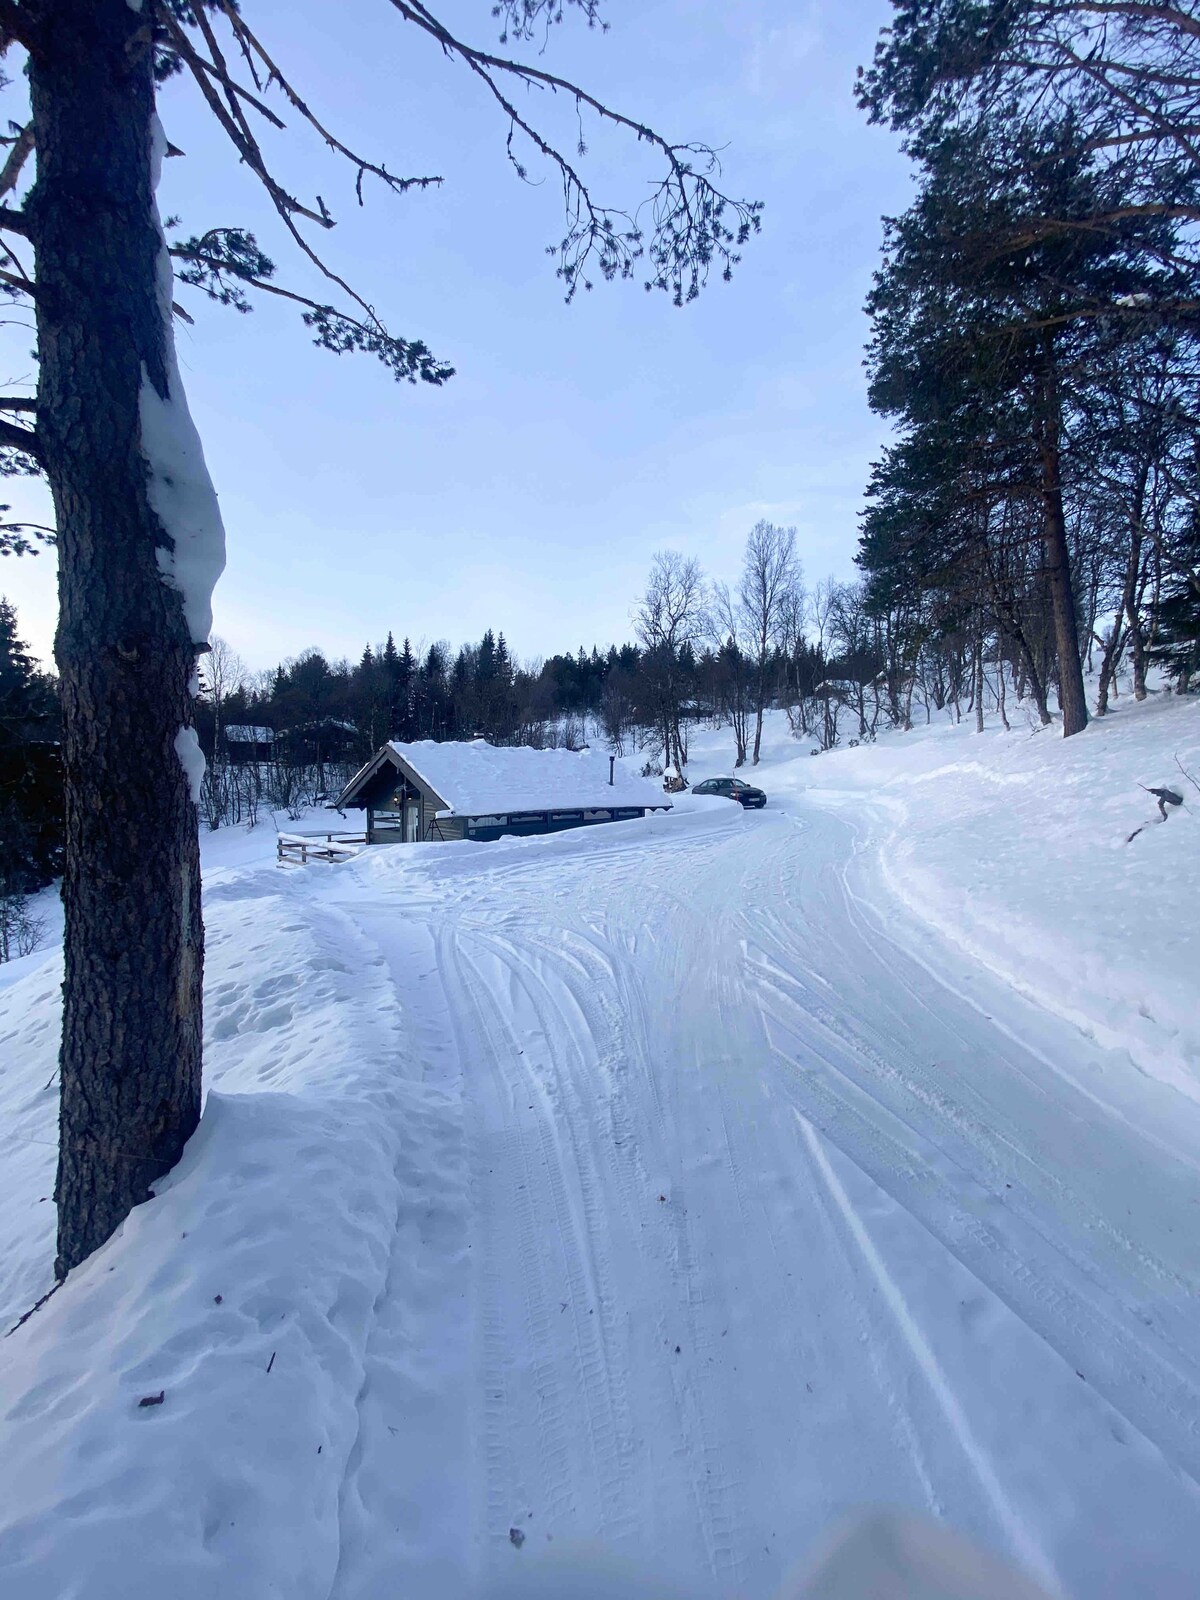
31	820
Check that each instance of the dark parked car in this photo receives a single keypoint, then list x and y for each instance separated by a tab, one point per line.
734	789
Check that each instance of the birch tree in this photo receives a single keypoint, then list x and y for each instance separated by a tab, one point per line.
670	619
771	578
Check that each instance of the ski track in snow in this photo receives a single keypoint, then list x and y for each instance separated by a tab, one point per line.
770	1218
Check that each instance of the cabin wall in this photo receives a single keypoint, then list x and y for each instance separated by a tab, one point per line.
525	824
383	796
434	827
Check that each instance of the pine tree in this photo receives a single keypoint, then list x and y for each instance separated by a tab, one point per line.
128	639
993	318
31	819
1177	645
406	673
16	676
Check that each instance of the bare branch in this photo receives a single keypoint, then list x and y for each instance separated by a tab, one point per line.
11	171
21	284
249	43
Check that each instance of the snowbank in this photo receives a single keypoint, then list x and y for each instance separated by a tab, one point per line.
242	1296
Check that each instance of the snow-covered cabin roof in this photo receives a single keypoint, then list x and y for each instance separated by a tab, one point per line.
475	779
245	733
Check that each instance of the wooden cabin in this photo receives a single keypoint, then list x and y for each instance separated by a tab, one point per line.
246	745
474	790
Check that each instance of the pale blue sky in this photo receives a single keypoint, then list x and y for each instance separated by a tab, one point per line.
529	493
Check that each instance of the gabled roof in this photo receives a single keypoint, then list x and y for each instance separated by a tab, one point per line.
475	779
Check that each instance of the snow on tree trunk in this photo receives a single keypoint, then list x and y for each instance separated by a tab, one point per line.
133	507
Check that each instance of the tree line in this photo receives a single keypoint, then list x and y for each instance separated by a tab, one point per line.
704	652
1035	323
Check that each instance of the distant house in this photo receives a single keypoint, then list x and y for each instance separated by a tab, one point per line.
245	745
324	739
475	790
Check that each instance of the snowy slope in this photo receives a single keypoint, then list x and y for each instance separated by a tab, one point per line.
1016	846
668	1187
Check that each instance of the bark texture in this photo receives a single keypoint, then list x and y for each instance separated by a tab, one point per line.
131	1049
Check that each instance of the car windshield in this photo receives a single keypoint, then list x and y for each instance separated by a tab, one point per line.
738	784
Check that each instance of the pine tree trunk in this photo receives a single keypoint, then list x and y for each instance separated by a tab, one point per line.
1071	694
130	1061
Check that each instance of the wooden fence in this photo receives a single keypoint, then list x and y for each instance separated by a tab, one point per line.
306	847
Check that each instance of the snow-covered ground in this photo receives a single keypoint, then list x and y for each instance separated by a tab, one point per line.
671	1188
1017	847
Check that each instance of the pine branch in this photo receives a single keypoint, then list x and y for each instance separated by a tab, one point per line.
333	330
1136	10
687	209
25	440
15	161
16	23
404	359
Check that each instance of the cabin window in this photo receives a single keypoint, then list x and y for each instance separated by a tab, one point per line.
566	816
598	816
485	822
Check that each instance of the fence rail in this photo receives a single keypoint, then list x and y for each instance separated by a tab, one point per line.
306	847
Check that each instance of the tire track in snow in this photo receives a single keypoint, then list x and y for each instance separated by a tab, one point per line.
1018	1535
1026	1270
505	1495
395	1506
579	1259
583	1092
691	1050
903	1087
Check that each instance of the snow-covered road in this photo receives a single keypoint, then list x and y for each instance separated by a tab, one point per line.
746	1201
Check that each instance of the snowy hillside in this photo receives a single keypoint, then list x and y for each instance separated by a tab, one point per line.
1017	846
672	1187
